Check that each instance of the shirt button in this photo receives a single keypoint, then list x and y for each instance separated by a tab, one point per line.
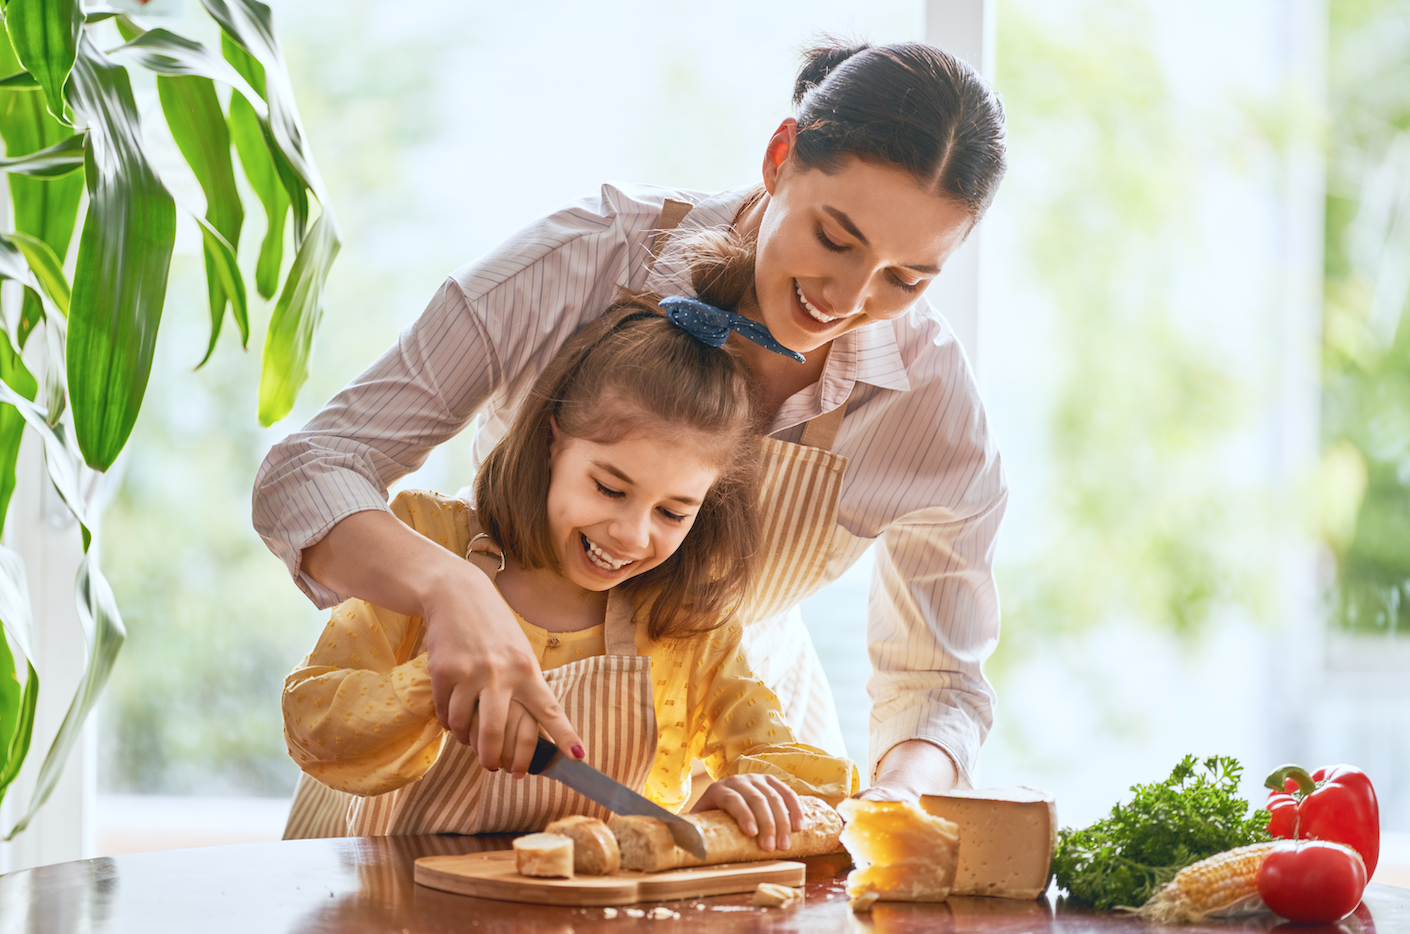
554	642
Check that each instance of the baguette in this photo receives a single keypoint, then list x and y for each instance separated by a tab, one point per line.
646	842
544	854
595	850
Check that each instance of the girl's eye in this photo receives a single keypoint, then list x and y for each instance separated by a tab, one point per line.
672	516
830	244
903	285
608	492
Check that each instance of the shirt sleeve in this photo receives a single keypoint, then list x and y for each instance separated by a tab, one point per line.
358	711
356	716
485	335
933	613
740	728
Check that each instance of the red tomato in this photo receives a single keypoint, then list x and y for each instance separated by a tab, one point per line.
1312	881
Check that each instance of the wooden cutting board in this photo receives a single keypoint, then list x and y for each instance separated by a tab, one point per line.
492	875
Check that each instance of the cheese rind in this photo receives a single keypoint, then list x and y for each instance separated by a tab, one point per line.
547	855
1007	836
902	853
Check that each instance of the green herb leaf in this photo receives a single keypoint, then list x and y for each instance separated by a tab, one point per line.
1123	859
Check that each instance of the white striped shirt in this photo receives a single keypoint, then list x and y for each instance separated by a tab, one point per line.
923	480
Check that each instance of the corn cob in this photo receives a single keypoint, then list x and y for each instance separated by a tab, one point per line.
1225	883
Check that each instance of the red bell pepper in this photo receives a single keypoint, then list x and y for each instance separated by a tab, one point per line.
1335	803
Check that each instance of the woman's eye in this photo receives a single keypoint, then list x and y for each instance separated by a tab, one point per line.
829	243
608	491
674	517
903	285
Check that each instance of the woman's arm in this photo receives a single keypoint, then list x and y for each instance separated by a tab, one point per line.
478	652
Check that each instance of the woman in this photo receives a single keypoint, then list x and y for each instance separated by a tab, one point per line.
892	158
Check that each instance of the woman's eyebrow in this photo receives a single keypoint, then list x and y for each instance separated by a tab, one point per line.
616	472
851	228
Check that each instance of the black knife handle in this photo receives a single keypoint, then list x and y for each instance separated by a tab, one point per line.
543	755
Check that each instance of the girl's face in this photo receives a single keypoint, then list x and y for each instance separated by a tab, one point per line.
618	510
838	251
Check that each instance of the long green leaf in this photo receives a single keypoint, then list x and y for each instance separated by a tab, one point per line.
250	24
124	255
220	261
102	624
15	375
45	265
58	160
16	705
198	126
45	34
260	172
44	208
19	81
61	456
166	53
290	339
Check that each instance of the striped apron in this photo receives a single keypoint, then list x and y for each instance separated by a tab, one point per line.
607	697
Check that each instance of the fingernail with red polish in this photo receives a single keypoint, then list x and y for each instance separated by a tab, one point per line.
579	752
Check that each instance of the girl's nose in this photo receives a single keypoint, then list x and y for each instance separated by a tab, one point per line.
844	294
633	530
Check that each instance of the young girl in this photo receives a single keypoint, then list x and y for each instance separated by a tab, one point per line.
617	519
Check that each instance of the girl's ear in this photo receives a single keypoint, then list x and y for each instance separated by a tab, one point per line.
778	150
552	434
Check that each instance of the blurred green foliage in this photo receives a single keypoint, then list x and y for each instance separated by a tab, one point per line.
1142	520
1366	345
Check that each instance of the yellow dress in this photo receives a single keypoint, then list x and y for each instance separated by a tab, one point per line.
359	717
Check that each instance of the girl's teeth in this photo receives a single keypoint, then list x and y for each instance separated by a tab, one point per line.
602	559
818	315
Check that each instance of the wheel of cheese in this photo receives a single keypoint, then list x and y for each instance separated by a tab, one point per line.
1008	836
646	842
595	851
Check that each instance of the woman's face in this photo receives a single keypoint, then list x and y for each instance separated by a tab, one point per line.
838	251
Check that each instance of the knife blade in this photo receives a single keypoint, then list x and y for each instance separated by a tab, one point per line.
611	794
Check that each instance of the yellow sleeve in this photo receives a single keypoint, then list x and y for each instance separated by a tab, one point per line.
740	728
358	711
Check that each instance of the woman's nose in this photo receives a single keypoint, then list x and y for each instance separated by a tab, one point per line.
633	529
845	293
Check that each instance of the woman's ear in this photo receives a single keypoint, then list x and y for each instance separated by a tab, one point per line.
778	150
552	435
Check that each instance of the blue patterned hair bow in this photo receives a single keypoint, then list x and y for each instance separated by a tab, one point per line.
711	325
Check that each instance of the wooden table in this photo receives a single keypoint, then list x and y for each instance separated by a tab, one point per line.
365	884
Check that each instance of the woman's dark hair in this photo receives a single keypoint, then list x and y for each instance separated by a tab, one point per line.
633	370
910	105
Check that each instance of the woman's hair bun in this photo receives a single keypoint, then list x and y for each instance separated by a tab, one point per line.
819	62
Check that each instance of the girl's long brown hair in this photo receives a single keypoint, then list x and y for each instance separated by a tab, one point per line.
633	370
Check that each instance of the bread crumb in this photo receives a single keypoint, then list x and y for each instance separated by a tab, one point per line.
635	913
862	903
699	906
773	895
609	913
662	913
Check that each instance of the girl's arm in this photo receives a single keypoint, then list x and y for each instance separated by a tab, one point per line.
758	766
358	715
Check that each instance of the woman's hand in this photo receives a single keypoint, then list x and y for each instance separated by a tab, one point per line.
911	769
763	807
482	666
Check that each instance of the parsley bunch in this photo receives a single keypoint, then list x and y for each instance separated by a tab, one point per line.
1123	859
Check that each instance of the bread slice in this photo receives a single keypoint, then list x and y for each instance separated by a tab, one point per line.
647	845
595	850
547	855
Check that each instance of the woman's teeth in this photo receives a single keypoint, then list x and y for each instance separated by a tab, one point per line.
817	315
602	559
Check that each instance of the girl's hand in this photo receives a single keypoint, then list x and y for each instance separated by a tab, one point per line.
763	807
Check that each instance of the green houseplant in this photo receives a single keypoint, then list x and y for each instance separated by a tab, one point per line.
71	126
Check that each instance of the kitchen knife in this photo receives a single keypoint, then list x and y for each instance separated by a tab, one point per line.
611	794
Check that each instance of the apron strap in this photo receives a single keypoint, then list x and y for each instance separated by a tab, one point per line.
821	432
620	631
672	213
